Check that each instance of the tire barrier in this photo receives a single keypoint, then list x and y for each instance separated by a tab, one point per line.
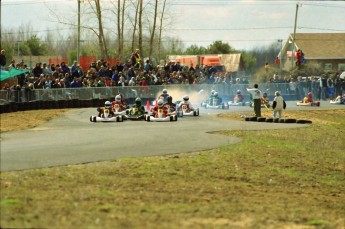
276	120
51	104
261	119
302	121
269	119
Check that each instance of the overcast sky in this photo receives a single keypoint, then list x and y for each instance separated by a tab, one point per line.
242	24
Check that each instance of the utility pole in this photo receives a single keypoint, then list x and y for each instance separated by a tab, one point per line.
293	38
280	57
0	27
78	42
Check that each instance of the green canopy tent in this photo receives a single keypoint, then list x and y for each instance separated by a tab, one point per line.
4	75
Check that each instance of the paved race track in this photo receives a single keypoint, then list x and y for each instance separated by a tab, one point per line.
73	139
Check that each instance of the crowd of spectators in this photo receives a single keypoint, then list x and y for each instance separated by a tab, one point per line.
326	86
101	74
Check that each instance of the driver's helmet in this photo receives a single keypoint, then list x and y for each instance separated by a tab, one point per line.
138	101
118	98
238	92
107	104
165	91
160	103
169	99
212	92
264	94
186	98
215	94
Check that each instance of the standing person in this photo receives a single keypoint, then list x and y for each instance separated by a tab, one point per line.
278	105
256	94
2	60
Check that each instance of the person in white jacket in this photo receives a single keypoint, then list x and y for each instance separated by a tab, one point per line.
278	105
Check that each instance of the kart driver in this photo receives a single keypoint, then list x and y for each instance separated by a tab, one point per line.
187	103
164	95
107	107
238	97
137	108
159	108
265	100
170	105
210	98
216	100
118	105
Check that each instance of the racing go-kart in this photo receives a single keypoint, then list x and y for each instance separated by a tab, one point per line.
184	110
214	104
161	117
134	115
106	117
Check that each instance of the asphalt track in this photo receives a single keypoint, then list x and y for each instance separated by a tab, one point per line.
73	139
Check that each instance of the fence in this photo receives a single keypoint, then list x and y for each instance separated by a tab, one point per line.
227	92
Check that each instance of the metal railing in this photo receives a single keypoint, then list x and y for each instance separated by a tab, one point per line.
226	91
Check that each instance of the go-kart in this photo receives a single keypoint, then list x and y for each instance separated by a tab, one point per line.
119	111
134	115
106	117
161	117
184	110
214	104
313	104
231	103
338	100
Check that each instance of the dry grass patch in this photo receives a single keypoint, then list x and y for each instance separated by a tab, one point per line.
292	178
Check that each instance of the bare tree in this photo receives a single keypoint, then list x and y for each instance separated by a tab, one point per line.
135	23
101	38
153	28
120	24
160	31
141	27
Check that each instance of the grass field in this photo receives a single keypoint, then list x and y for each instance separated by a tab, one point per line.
291	178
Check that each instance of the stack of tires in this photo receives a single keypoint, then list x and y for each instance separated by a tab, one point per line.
277	120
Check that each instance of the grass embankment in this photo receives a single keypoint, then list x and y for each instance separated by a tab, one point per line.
291	178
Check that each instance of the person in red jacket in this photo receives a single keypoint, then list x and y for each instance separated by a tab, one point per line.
106	111
160	111
118	105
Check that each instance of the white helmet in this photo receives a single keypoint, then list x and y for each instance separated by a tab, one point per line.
186	98
215	94
165	91
107	104
118	98
212	92
238	92
160	103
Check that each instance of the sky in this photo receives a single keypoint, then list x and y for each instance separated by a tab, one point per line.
243	24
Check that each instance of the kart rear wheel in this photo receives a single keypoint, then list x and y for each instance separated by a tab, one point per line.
94	118
148	118
90	118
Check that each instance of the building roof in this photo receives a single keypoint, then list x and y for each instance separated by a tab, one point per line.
321	45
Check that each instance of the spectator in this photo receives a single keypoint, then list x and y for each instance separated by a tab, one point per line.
2	60
330	87
256	95
278	105
323	87
37	71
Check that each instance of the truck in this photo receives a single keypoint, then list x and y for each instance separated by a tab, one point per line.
208	61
